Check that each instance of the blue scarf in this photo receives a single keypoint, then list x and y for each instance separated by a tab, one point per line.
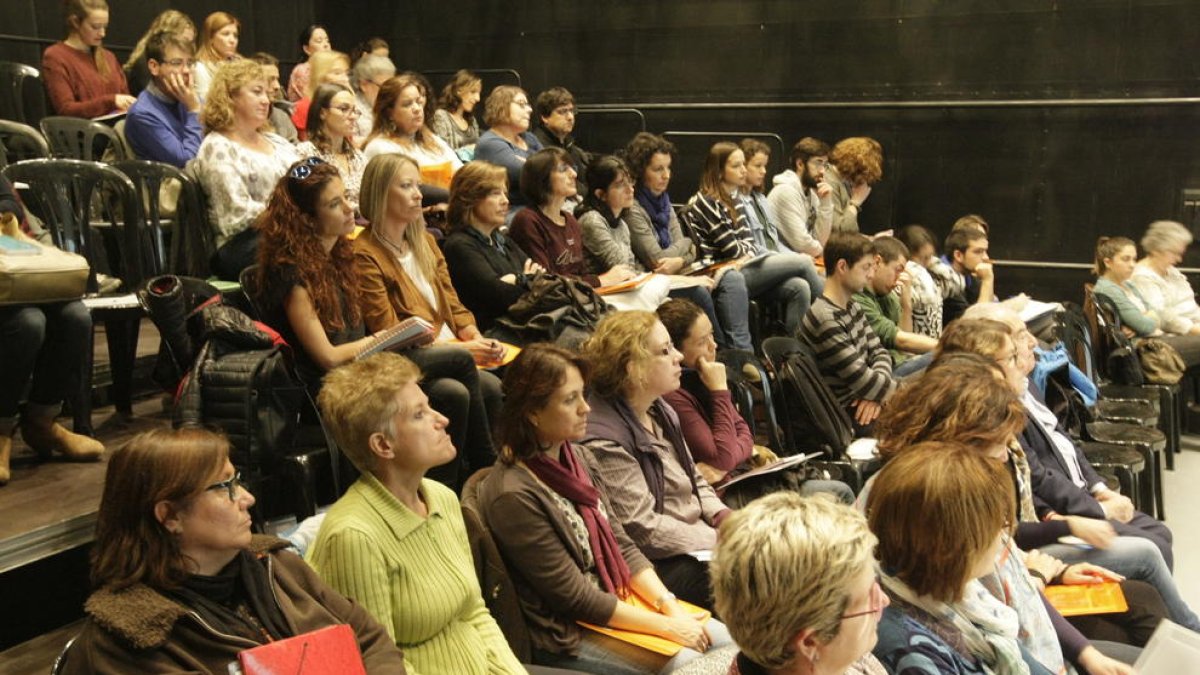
659	210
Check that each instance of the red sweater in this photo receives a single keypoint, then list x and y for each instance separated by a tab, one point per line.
75	85
714	430
558	248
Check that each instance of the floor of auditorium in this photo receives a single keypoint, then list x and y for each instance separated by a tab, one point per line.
49	508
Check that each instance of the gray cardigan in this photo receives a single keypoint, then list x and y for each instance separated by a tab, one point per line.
644	242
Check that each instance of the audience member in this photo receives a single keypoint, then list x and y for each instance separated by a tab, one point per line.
330	124
163	125
372	46
853	361
759	214
238	163
855	164
606	238
313	39
280	118
967	277
507	142
395	542
637	451
967	397
174	22
717	436
658	242
455	120
401	273
571	561
367	77
400	128
553	238
555	109
887	302
327	67
182	584
717	217
942	525
1165	289
926	293
795	578
1116	259
218	46
44	343
83	79
488	268
306	285
802	200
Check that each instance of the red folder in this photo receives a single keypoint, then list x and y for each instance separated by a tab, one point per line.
328	651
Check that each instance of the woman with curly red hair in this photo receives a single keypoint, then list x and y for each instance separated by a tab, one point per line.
307	289
855	165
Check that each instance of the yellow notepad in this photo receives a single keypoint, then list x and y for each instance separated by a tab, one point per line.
654	643
1084	599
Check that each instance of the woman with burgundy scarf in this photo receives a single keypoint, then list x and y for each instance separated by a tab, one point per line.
568	560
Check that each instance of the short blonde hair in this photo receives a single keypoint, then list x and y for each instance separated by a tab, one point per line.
320	64
617	352
1165	234
358	400
782	565
230	77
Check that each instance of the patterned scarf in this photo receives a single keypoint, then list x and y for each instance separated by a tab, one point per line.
568	478
659	209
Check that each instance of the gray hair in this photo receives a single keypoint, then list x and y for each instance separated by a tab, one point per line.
371	67
1165	234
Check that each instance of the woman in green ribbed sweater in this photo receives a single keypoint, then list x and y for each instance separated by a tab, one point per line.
395	542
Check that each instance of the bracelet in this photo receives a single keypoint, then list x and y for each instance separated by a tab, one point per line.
1041	577
662	600
1059	577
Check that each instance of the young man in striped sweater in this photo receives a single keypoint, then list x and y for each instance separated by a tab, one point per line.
854	363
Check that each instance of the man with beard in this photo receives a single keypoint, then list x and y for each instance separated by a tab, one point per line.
802	200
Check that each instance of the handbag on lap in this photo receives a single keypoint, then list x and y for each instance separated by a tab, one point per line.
32	273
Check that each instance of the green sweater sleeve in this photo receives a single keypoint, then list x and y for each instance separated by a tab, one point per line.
1130	315
881	323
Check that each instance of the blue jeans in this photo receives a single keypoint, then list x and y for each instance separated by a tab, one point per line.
732	302
704	300
913	365
1135	558
787	278
46	342
608	656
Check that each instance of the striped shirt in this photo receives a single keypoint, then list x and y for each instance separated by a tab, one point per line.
721	236
853	361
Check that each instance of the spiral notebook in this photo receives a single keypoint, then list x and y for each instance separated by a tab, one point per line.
411	332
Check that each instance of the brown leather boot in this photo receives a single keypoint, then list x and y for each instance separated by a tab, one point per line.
5	451
47	437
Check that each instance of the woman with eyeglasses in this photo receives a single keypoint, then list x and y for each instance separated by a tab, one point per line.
331	125
508	141
328	67
794	579
637	451
569	557
182	584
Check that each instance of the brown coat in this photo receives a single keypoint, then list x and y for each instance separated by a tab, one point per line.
388	296
139	630
544	558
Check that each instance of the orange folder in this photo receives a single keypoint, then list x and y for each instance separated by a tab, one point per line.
653	643
1084	599
625	285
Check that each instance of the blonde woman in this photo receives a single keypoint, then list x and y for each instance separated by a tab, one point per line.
83	79
178	24
218	45
327	67
794	578
239	162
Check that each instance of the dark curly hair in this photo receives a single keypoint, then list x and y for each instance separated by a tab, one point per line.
640	149
288	236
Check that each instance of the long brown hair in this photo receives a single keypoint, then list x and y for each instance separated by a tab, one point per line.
711	181
75	12
385	102
529	382
288	236
154	466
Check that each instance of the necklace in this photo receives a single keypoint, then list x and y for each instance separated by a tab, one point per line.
396	250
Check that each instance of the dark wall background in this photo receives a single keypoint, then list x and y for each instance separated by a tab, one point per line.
1050	178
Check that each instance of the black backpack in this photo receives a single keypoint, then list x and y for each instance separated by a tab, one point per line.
242	383
813	420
